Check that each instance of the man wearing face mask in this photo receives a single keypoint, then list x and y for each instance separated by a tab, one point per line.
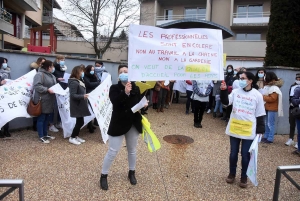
60	69
292	120
124	124
99	69
4	74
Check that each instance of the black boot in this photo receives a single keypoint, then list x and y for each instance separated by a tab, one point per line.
90	127
1	134
96	122
103	182
131	177
7	133
155	106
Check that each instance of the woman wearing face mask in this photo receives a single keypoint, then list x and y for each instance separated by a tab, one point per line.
91	82
124	124
248	109
4	74
42	82
229	79
78	103
260	78
273	105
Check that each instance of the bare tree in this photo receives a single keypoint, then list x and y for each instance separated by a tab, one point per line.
102	20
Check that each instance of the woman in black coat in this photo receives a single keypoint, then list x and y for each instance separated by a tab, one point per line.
124	123
78	103
91	82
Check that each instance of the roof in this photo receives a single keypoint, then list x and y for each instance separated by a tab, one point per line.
55	4
73	27
196	23
245	58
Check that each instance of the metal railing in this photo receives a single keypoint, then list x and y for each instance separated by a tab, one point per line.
251	17
47	16
282	170
179	17
13	184
6	16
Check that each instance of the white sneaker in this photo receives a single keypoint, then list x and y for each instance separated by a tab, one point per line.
50	137
58	125
80	139
296	145
289	142
208	111
44	140
53	129
74	141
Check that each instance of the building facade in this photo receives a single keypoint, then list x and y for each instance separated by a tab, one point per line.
246	19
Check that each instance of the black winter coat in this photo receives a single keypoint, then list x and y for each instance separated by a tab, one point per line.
123	118
78	105
91	82
58	73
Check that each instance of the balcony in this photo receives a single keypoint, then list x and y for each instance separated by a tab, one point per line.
166	19
28	5
6	26
47	17
251	19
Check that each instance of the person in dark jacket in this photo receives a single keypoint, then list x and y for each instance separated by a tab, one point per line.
295	102
78	103
292	119
249	111
229	79
4	74
91	82
124	123
42	82
99	69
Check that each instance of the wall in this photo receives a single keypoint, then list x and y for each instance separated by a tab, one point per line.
36	16
221	12
244	48
20	61
147	13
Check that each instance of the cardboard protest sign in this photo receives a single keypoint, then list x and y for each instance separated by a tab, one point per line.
15	97
102	107
175	54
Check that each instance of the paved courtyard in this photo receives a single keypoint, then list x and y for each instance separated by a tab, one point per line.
62	171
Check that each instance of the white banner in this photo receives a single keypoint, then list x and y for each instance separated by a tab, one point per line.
102	107
63	102
180	85
252	167
15	97
175	54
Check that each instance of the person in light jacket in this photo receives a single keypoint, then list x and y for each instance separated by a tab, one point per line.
42	82
78	103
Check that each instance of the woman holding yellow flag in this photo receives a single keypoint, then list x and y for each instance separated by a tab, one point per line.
246	121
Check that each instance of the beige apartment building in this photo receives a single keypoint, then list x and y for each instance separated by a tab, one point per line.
244	23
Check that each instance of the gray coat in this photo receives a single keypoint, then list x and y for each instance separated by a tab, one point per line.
78	105
4	74
42	81
216	89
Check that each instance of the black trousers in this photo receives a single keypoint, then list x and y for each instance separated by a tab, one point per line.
292	121
199	108
78	125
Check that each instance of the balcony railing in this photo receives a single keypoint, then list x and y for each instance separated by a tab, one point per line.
165	19
251	18
6	16
47	16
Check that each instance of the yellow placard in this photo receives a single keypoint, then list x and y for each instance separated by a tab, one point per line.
144	86
196	68
240	127
224	59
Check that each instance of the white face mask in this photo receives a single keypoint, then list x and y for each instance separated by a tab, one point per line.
297	82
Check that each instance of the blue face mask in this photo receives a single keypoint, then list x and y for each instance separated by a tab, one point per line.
82	74
123	77
235	72
62	63
4	65
53	69
92	72
229	71
261	75
243	83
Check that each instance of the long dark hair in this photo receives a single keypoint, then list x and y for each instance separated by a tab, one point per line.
271	76
250	76
260	69
76	72
88	69
47	64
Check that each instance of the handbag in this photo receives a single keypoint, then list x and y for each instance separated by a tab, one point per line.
296	112
35	109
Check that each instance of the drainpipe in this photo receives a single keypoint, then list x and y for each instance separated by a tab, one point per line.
2	35
155	12
211	3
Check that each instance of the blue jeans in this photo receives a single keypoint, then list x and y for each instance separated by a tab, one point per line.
233	157
298	128
42	125
218	106
270	125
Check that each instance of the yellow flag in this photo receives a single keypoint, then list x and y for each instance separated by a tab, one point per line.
144	86
149	137
224	59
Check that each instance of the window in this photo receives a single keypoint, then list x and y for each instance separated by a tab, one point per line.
246	11
168	14
248	36
198	13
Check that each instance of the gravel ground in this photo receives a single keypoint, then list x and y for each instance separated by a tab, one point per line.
197	171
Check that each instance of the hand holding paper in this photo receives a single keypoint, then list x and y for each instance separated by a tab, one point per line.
140	105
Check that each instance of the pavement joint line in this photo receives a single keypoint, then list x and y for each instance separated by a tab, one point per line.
162	175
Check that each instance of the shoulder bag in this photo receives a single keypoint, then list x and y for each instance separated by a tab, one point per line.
35	109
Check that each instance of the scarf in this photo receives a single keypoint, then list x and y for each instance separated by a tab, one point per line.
275	89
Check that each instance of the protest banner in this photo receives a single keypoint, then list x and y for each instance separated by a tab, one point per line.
63	103
102	107
15	97
252	167
174	54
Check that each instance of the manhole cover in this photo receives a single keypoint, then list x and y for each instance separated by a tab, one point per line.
178	139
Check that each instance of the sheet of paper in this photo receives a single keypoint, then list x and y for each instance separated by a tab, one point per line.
104	76
58	89
140	105
66	77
